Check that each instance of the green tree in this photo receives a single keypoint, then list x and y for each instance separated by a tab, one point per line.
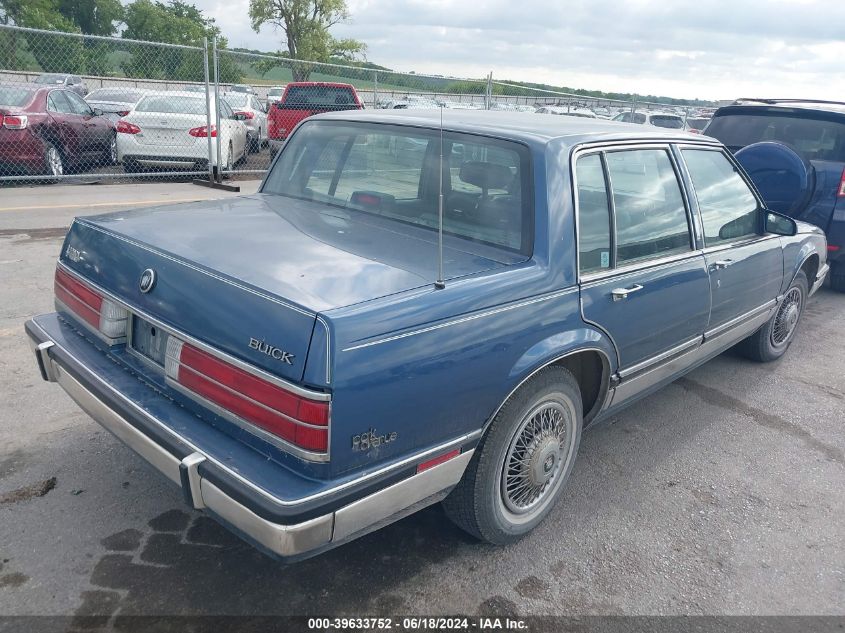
173	22
306	24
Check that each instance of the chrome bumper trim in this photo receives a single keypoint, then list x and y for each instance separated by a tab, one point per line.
820	277
322	532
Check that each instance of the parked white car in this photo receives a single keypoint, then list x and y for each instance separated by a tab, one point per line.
656	118
274	94
170	131
248	108
584	113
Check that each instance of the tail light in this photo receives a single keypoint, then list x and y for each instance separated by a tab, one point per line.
246	115
832	248
100	313
124	127
13	121
692	130
202	131
841	192
301	421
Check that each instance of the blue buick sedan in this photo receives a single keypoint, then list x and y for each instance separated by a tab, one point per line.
409	312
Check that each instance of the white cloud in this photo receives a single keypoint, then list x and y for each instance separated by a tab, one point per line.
716	49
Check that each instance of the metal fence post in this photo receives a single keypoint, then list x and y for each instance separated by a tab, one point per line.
216	62
375	89
208	108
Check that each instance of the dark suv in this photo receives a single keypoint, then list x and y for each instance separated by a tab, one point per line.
794	151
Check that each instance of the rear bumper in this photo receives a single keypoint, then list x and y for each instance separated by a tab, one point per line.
227	498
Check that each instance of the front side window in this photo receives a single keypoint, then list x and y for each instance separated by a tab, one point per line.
729	211
394	172
593	215
651	219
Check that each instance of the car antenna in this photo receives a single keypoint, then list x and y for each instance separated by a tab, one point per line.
440	284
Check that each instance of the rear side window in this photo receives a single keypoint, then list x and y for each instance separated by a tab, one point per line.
651	219
815	138
78	104
593	215
728	208
57	102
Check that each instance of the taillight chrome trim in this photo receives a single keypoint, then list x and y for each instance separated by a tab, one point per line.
187	338
279	442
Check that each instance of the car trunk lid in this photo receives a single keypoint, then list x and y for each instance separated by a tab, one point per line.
254	268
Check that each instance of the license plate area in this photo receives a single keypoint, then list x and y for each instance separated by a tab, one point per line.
148	340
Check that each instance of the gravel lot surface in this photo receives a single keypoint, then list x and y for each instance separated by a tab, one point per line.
722	494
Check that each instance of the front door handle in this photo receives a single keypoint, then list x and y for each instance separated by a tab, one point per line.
622	293
722	264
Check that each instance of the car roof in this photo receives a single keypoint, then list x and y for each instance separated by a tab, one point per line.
807	104
521	126
322	84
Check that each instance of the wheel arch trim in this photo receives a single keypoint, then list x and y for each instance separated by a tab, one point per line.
550	360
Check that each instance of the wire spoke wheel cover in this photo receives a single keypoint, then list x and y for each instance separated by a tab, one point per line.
537	459
54	162
787	317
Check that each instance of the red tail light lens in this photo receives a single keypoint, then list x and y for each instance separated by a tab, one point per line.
202	131
298	420
832	248
13	121
124	127
841	192
103	315
246	115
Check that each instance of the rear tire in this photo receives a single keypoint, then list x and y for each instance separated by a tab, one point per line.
54	162
772	340
521	465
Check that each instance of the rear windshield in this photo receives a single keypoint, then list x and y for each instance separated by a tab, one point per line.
672	122
275	92
698	124
171	105
239	100
816	139
318	97
120	95
50	79
14	96
393	172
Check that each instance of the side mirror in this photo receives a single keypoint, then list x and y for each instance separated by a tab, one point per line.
97	111
780	224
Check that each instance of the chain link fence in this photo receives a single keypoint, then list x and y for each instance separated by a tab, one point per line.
81	107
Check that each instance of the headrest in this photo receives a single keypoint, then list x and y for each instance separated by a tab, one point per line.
486	175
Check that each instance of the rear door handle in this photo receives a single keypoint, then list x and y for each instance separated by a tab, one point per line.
622	293
722	263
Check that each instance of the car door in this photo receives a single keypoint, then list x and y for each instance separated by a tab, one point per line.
746	264
234	132
260	115
643	278
68	124
92	129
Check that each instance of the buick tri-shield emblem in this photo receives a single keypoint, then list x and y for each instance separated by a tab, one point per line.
147	281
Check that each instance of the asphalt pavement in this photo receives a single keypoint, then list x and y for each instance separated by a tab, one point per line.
722	494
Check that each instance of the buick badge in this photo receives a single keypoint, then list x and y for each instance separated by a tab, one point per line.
147	281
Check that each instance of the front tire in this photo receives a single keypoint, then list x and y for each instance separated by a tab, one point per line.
772	340
523	462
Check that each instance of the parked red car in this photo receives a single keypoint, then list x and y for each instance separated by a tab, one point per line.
302	99
47	130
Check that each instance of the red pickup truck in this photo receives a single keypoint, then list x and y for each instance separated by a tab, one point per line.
303	99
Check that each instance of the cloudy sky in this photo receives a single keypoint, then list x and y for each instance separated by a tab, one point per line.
711	49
